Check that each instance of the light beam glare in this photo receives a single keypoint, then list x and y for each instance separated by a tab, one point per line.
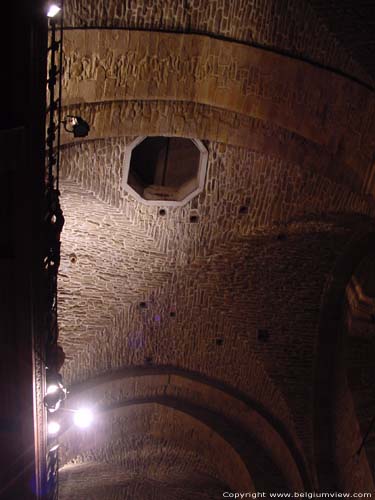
51	389
83	418
53	9
53	428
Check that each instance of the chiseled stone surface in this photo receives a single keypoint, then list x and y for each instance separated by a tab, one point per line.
353	23
228	289
275	192
155	442
130	386
182	489
186	119
359	357
106	65
217	281
290	26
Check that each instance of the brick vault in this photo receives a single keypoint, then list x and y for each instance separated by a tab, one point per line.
227	343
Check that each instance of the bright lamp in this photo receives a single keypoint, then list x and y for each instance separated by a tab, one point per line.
53	428
53	10
83	418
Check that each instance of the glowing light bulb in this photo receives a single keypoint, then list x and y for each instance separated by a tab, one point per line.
53	428
83	418
51	389
53	9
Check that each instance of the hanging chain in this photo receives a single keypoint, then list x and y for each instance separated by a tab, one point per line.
53	223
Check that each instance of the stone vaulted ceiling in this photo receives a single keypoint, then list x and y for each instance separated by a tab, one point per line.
198	332
353	23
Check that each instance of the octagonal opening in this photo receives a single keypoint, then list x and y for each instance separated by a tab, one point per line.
165	170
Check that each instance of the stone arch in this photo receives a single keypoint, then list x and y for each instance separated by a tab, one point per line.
185	70
330	371
241	420
169	440
175	118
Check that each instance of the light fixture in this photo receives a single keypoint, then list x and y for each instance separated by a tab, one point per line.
52	402
53	428
55	393
53	10
52	388
83	418
76	125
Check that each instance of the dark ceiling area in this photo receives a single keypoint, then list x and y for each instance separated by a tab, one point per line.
353	23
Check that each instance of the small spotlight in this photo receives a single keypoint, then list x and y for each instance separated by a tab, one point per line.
52	402
53	428
76	125
55	394
53	9
51	389
83	418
